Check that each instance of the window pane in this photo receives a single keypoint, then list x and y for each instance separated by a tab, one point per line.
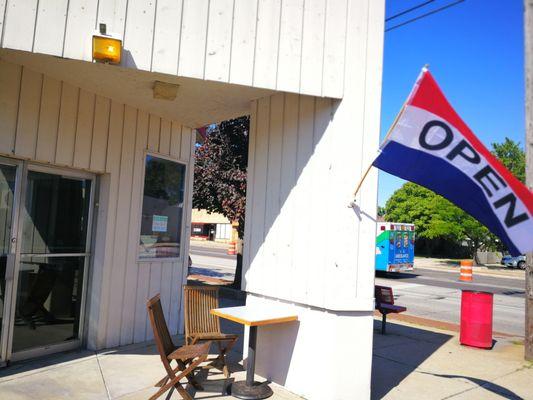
48	301
162	208
55	216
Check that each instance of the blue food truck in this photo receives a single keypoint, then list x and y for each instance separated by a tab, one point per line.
395	247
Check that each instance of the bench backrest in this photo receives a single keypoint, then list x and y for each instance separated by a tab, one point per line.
383	294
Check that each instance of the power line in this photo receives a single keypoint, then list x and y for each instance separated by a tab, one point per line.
424	15
409	10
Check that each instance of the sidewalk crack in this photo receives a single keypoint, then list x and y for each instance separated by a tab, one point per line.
103	378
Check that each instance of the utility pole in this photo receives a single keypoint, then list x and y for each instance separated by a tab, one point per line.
528	32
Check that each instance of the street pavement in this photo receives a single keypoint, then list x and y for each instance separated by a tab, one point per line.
437	295
212	260
431	291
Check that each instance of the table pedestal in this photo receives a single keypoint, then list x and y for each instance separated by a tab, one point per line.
250	389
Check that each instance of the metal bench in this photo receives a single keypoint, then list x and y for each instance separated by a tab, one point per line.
385	304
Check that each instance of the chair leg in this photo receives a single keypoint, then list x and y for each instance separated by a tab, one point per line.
169	395
222	358
383	324
222	351
190	377
162	382
175	380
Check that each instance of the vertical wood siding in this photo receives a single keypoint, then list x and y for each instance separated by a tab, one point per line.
49	121
290	45
302	241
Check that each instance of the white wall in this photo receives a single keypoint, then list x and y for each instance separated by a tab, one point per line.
303	244
323	355
50	121
290	45
306	157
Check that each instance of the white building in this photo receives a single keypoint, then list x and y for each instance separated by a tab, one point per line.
85	229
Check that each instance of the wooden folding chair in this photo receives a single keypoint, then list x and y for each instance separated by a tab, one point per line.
187	357
201	325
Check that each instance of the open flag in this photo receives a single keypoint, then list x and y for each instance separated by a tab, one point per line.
430	145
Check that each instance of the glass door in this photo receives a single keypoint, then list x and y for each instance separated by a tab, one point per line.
9	197
53	255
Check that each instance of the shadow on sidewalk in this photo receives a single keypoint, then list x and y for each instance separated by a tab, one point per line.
490	386
413	344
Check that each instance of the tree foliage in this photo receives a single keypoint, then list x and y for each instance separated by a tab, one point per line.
437	218
220	170
512	156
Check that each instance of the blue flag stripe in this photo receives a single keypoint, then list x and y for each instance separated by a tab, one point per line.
438	175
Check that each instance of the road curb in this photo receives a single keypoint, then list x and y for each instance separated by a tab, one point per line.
432	323
476	272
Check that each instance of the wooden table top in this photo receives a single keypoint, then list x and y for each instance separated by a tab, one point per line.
255	316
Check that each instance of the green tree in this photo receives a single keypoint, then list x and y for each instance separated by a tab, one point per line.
512	156
220	175
220	170
436	218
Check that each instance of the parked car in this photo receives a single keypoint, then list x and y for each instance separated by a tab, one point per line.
514	262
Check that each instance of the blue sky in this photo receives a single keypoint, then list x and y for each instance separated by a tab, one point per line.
475	52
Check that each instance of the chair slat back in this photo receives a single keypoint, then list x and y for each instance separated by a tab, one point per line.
162	337
383	294
199	300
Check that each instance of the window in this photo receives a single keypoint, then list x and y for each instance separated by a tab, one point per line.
162	208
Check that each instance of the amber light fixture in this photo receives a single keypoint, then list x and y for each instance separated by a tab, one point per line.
107	49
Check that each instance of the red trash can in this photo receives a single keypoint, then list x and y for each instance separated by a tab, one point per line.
476	319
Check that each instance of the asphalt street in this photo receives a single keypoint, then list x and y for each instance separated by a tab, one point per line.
437	295
425	292
212	261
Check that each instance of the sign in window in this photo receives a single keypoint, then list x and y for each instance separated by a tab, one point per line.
162	208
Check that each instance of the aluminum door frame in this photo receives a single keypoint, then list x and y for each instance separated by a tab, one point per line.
11	260
64	346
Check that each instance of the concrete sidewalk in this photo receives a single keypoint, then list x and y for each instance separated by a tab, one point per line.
410	363
413	362
125	373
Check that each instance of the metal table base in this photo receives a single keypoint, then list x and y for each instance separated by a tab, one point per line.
251	389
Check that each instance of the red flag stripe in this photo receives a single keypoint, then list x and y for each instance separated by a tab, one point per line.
429	97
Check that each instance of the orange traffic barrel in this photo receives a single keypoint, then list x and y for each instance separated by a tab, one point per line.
231	249
466	270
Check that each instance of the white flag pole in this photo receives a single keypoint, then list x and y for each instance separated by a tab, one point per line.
424	69
382	143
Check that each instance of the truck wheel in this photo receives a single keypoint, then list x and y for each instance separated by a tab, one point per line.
521	265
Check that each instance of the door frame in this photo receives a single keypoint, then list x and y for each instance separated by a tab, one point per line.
22	178
11	260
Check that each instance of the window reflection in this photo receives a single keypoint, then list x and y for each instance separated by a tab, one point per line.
162	208
55	214
48	301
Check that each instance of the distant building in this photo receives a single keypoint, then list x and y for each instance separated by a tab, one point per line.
210	226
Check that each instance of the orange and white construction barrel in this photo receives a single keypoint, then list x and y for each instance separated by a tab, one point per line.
232	249
466	271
